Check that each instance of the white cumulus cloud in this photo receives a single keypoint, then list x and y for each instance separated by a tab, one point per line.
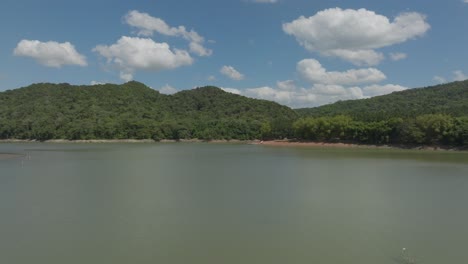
396	56
354	35
232	73
147	25
167	89
267	1
316	95
287	85
459	76
198	49
357	57
375	90
440	79
325	86
232	90
330	93
51	53
97	83
132	53
272	94
312	71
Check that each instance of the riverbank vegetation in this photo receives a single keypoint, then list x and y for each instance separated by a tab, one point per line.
427	116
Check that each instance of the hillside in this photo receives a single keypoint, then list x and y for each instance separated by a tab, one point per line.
133	110
450	99
427	116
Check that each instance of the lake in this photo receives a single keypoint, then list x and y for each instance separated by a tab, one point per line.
171	203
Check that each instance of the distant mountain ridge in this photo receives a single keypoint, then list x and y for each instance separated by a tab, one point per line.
450	99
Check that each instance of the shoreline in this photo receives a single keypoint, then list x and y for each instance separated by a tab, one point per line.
67	141
314	144
274	143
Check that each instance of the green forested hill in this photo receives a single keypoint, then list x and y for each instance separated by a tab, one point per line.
450	99
435	115
427	116
133	110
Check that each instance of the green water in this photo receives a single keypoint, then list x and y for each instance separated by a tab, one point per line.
221	203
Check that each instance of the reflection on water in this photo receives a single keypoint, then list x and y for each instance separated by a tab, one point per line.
208	203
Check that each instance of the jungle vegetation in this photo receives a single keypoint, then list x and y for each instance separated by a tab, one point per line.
134	111
435	115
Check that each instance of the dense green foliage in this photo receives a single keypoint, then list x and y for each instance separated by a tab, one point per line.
432	129
429	116
135	111
449	99
435	115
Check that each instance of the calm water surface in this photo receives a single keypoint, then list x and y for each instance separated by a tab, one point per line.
221	203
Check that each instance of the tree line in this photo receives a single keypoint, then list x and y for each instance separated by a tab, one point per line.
431	129
449	99
135	111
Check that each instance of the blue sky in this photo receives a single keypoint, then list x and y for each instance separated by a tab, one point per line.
296	52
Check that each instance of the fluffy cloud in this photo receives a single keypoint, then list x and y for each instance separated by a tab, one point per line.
167	89
353	35
232	90
287	85
440	79
126	75
300	97
272	94
325	86
375	90
147	25
318	94
398	56
97	83
232	73
296	97
267	1
357	57
459	76
198	49
51	53
130	54
312	71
